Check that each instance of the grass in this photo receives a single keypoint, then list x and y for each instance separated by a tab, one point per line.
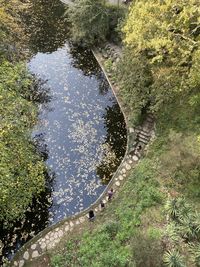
111	240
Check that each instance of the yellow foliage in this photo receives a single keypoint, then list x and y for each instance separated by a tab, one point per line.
162	25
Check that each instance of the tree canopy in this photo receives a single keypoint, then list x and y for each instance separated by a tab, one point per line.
92	22
166	35
21	168
89	20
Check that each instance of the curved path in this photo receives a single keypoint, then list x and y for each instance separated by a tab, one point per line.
51	236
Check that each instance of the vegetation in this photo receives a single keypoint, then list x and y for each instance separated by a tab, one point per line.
158	73
113	240
21	168
13	37
92	22
154	221
166	49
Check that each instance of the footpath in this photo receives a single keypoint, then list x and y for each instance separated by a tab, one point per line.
138	140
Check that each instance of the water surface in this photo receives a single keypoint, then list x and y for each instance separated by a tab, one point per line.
82	128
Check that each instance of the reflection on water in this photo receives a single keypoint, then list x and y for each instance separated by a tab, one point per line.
115	142
80	133
46	27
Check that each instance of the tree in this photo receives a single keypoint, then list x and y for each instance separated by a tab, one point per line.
89	21
165	34
135	79
12	37
21	168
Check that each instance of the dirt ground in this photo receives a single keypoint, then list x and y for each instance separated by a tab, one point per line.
42	261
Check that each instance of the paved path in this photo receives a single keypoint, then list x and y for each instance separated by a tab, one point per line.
50	237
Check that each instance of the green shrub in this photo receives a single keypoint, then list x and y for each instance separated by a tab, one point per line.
92	22
135	79
154	233
178	209
111	228
116	18
108	65
58	261
195	252
173	259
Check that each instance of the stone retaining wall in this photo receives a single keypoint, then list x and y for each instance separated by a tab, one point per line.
138	137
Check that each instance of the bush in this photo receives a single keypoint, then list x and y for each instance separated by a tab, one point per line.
111	228
116	17
173	259
57	261
195	251
134	78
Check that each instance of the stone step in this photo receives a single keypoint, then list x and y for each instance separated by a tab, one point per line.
107	46
142	132
145	137
138	128
147	128
145	141
145	134
150	115
150	119
149	124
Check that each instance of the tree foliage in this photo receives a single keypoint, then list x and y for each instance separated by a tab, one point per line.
21	168
92	21
166	35
12	37
89	20
135	78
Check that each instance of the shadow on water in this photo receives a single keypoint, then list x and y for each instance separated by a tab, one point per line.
83	59
81	134
14	235
115	142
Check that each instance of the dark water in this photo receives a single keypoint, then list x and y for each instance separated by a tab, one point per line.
81	130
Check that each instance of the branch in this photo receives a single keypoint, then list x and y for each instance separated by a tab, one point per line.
186	38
